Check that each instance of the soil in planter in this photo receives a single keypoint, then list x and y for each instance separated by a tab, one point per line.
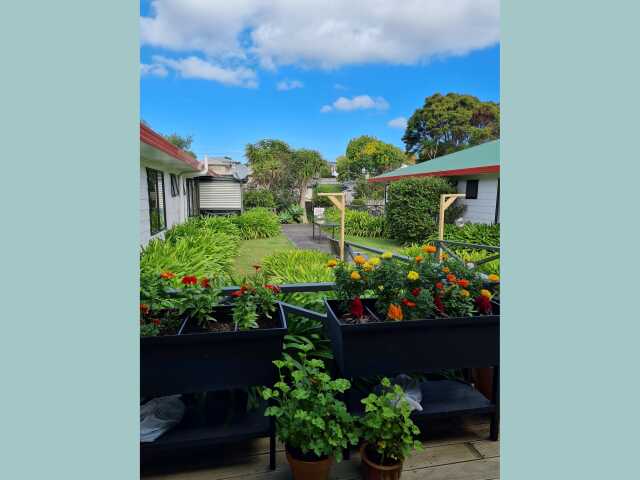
225	323
376	458
305	457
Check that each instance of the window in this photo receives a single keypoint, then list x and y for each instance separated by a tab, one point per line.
193	197
175	186
472	190
155	191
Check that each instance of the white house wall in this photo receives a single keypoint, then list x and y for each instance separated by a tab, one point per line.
176	207
483	208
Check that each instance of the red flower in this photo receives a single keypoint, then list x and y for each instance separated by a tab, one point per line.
439	286
408	303
274	288
144	308
357	310
484	305
189	280
438	303
237	293
416	291
463	283
204	283
156	322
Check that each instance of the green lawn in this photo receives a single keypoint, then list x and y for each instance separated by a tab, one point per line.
253	251
381	243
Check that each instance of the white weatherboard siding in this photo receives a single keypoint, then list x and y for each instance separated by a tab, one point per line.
220	195
483	208
176	207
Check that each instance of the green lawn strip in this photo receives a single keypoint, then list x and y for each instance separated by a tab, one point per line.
381	243
253	251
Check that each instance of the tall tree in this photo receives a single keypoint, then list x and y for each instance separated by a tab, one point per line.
305	165
267	159
183	142
367	155
448	123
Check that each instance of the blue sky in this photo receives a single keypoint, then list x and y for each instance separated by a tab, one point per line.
222	86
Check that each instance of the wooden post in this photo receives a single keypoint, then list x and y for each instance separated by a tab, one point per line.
446	200
339	200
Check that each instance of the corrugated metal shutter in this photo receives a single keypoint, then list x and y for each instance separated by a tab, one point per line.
220	196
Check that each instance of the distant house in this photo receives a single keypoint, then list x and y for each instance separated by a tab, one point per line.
168	188
476	171
221	187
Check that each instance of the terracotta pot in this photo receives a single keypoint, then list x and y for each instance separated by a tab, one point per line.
373	471
304	470
483	378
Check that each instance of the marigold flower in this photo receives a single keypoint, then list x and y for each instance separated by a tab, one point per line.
167	275
367	267
494	278
486	293
483	304
156	322
439	286
445	270
356	308
274	288
395	312
463	283
408	303
464	293
332	263
419	259
451	277
445	255
189	280
429	249
359	260
413	275
437	301
144	308
204	283
416	291
355	276
387	255
374	261
237	293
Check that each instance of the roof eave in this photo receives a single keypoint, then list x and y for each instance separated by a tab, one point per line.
442	173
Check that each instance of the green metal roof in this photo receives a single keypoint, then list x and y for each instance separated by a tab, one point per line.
484	158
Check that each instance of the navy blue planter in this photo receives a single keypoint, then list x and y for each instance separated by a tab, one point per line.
389	348
199	361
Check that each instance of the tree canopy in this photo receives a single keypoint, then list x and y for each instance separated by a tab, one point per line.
370	155
448	123
182	141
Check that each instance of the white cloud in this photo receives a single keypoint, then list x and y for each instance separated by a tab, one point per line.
399	122
360	102
339	86
156	70
324	33
289	85
194	67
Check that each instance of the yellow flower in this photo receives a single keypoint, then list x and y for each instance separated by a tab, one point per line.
367	266
374	261
494	278
355	275
332	263
413	275
359	259
444	256
486	293
387	255
429	249
419	259
464	293
381	287
445	269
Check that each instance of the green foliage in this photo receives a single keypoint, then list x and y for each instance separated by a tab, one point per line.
369	154
257	223
183	142
359	223
267	159
412	207
446	124
202	226
256	298
291	214
386	424
258	197
319	201
309	417
477	233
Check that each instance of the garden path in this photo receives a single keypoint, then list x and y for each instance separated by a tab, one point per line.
301	236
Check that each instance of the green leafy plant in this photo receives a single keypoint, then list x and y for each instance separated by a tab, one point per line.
291	214
257	223
319	201
387	427
359	223
310	420
259	197
255	299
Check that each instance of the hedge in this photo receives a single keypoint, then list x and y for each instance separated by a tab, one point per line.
359	223
258	198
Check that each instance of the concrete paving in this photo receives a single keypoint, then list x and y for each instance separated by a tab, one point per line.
301	236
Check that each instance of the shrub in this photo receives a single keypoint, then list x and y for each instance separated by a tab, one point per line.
257	223
472	233
413	205
200	225
359	223
292	214
260	197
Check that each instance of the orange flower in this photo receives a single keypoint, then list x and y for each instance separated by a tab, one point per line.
355	276
144	308
429	249
445	270
394	312
486	293
463	283
167	275
494	278
204	283
419	259
359	259
451	277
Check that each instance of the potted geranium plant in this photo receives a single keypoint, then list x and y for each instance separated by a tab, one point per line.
311	421
388	433
436	313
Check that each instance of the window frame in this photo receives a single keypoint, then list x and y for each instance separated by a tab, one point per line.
155	179
175	185
474	195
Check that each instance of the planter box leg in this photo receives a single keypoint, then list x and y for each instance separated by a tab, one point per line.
495	418
272	443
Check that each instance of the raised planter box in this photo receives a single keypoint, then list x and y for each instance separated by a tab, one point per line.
388	348
199	361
